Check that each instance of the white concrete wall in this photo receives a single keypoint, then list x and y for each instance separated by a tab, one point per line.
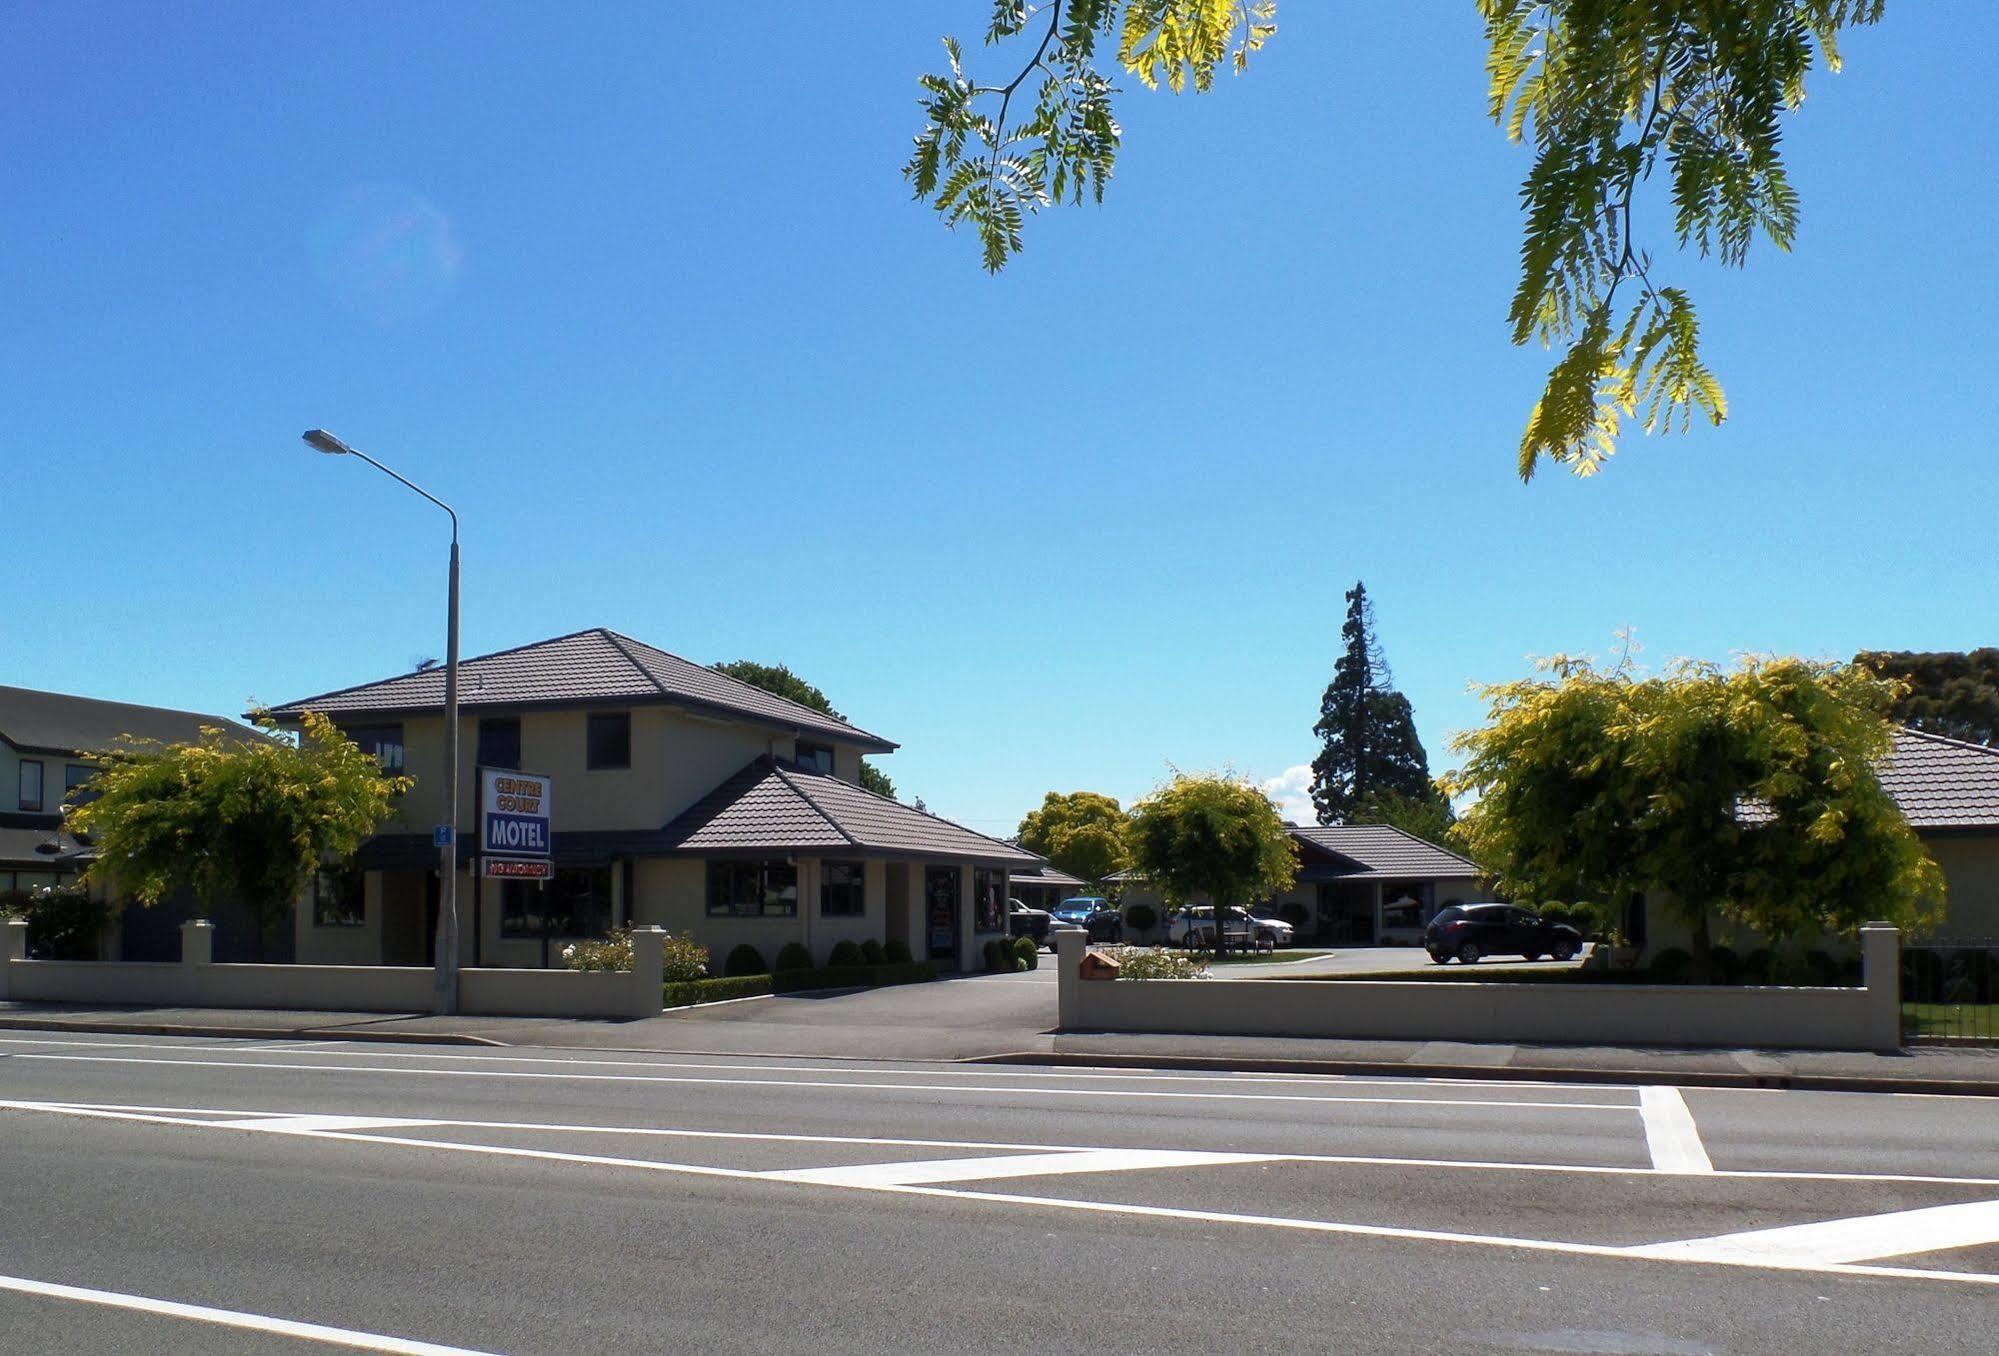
1599	1014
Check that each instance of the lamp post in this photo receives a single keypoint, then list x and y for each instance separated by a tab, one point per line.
445	994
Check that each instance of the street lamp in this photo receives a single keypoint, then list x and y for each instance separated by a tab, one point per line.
445	995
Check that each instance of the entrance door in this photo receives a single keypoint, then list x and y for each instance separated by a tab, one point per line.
940	911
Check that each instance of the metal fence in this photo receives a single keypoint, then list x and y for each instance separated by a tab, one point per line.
1950	991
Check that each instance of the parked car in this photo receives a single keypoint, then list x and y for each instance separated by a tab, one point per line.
1094	914
1022	921
1470	931
1195	927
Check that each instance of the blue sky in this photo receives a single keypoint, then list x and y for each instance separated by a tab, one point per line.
640	290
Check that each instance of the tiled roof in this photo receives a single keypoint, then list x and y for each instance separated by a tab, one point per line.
1048	874
1942	783
1379	850
775	806
55	722
26	838
597	666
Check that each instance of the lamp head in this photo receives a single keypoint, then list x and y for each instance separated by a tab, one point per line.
320	440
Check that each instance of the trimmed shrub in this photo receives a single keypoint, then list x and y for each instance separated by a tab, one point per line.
1825	969
873	952
845	956
793	956
1141	918
1727	965
746	960
686	992
999	955
896	952
1026	952
1672	966
1757	964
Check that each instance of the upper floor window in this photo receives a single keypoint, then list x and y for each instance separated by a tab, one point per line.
74	775
385	742
815	757
31	784
752	890
842	890
609	740
500	742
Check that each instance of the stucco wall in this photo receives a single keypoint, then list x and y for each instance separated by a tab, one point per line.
1616	1014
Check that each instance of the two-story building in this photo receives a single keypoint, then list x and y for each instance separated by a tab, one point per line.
681	797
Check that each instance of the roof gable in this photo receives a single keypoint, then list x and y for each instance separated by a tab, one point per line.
776	806
1383	850
597	666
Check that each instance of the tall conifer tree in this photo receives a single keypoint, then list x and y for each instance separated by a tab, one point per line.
1367	732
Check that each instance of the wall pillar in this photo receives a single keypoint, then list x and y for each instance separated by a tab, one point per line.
648	970
1070	944
197	942
1881	972
13	947
969	959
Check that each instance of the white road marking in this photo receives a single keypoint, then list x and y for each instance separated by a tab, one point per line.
1670	1133
1936	1228
234	1318
294	1125
1012	1165
966	1089
1770	1259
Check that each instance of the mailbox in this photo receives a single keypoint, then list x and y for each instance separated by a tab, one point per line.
1096	965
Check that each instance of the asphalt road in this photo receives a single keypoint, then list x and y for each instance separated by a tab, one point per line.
209	1195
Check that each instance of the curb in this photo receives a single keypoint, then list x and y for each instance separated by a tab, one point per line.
1788	1082
253	1033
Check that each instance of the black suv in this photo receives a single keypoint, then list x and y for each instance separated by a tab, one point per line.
1469	931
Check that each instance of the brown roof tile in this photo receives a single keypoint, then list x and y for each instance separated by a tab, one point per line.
1942	783
597	666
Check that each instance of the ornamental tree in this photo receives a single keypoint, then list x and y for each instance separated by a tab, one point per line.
228	816
1746	795
1611	94
1085	833
1214	836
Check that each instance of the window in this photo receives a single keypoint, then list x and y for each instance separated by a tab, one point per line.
385	742
73	776
752	890
575	902
842	890
339	899
520	908
500	742
609	742
989	899
31	784
815	757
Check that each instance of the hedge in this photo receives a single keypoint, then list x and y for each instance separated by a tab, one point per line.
854	976
793	956
686	992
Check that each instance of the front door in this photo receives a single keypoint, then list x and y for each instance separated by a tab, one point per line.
940	911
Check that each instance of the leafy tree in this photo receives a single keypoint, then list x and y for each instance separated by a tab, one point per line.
1085	833
1608	92
227	816
1367	732
1215	837
1429	816
1746	794
780	681
1952	693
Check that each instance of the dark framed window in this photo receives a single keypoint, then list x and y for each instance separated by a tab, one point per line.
520	908
385	742
31	784
73	776
339	898
500	742
752	890
575	902
843	889
609	740
989	900
815	757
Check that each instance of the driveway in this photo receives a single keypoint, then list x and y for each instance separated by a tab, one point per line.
1382	960
950	1019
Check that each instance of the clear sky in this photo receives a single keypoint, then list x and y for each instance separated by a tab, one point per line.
638	287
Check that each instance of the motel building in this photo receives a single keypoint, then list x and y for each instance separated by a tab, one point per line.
677	796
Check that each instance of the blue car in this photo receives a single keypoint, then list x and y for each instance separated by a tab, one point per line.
1094	914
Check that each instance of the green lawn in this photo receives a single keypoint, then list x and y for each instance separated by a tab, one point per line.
1948	1021
1296	953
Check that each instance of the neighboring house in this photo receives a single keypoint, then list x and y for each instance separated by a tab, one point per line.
681	797
1948	790
1043	886
1361	885
46	743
